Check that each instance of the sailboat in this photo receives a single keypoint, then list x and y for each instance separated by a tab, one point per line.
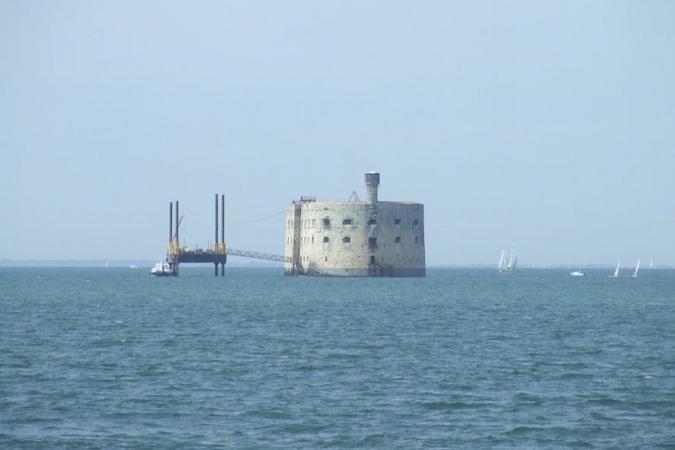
651	263
616	271
507	263
501	264
637	267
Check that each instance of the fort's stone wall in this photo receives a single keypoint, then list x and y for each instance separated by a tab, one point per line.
355	238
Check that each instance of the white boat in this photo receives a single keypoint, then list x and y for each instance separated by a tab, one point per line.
577	273
507	263
133	266
637	267
616	271
161	269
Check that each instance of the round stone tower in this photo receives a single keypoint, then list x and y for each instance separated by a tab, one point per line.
372	183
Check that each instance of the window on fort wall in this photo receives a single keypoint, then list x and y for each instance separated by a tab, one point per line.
397	221
326	239
372	242
346	239
372	222
397	239
417	239
326	221
416	222
347	222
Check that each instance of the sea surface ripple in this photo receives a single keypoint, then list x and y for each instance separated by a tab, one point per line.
461	359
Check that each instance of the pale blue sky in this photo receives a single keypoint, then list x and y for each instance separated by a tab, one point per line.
544	126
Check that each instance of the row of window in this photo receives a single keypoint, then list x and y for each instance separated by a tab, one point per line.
372	242
306	259
346	222
371	221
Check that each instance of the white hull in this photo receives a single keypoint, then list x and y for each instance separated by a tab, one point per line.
160	273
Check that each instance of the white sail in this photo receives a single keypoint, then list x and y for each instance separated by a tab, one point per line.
501	264
651	263
637	267
616	271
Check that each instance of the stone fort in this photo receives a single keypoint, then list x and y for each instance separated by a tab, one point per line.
369	238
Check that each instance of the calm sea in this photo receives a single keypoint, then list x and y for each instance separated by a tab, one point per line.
462	359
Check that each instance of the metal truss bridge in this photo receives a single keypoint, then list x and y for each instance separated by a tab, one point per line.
257	255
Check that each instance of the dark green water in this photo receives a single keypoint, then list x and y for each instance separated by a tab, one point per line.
112	358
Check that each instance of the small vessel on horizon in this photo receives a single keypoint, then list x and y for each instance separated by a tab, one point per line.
637	267
577	273
507	263
616	271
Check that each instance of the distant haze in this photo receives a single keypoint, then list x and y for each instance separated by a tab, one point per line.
547	127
